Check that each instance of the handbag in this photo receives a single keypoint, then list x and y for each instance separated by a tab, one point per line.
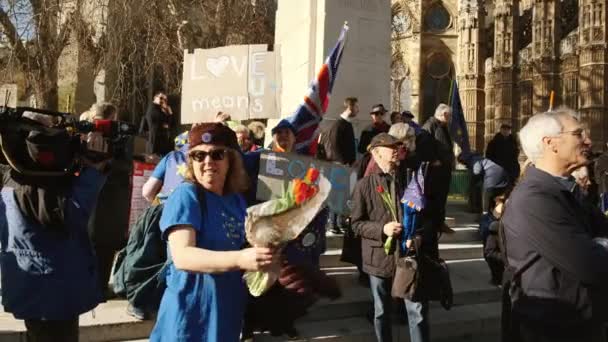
419	277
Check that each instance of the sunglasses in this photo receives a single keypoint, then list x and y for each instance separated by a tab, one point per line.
199	156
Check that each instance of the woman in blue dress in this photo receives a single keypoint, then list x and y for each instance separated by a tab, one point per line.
203	222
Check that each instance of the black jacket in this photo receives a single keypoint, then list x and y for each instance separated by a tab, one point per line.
543	217
445	145
339	142
369	133
368	217
504	151
158	125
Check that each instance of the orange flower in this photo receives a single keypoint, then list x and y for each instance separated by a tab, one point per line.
312	175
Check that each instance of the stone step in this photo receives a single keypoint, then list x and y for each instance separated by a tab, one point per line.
470	282
466	233
447	251
461	323
470	323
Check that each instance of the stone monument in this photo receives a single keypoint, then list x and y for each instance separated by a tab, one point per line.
307	30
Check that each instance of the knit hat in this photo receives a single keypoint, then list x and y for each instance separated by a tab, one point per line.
213	133
283	124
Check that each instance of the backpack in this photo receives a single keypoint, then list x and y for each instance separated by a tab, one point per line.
138	270
140	267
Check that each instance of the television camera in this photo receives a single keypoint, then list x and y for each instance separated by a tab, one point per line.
39	142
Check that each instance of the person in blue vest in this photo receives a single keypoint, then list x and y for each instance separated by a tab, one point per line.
301	281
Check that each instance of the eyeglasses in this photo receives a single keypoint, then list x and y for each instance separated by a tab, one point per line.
581	133
199	156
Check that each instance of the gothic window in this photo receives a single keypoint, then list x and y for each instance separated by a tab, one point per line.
437	18
597	14
436	82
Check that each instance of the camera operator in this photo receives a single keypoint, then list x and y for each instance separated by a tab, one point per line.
49	273
109	221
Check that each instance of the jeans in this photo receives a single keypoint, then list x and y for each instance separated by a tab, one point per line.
417	313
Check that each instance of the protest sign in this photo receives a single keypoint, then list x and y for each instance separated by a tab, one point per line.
141	173
277	169
241	80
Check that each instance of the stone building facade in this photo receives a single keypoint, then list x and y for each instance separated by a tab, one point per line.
507	56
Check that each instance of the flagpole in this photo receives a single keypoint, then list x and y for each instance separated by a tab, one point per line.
451	92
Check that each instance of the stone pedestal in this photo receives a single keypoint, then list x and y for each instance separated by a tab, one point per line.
307	30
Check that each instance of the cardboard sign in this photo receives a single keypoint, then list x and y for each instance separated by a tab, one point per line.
277	169
241	80
141	173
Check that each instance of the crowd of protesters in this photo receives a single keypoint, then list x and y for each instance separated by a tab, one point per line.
543	229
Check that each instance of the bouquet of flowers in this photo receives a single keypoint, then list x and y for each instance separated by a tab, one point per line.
276	222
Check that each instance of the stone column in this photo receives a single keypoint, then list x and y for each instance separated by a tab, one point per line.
489	101
306	31
525	86
470	71
545	43
593	70
506	15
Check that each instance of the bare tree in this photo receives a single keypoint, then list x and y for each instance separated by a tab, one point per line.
140	44
36	32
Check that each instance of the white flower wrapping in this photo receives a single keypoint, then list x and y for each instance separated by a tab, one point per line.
264	228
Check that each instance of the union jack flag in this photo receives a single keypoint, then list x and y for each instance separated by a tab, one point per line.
310	112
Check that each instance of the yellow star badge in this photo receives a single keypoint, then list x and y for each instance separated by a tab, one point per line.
181	169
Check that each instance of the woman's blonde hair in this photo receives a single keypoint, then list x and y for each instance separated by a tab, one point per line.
237	180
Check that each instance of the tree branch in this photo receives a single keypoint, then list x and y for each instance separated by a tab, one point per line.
13	38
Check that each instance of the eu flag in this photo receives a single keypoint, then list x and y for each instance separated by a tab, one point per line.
458	126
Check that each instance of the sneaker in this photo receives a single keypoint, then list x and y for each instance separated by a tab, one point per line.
136	313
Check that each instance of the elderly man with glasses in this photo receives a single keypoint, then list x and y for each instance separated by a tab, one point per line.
549	238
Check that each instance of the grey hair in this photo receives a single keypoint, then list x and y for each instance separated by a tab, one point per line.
442	108
242	129
405	133
542	125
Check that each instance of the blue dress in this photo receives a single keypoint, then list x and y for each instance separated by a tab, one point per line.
197	306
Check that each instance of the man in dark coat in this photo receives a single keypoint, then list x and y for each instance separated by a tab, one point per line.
372	220
378	126
549	231
158	122
440	173
338	145
504	151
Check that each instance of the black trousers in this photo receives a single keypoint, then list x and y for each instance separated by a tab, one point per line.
52	331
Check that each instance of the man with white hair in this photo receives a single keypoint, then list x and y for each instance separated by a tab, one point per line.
440	172
548	235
